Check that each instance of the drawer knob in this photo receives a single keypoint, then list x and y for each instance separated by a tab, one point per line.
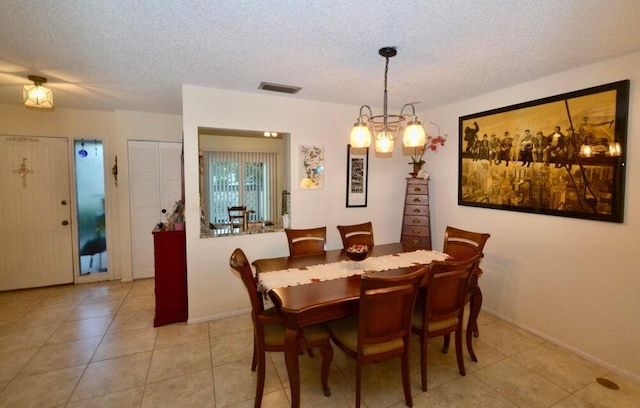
417	189
416	221
417	200
416	231
416	210
416	241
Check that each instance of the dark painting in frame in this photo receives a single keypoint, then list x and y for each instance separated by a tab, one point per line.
562	155
357	176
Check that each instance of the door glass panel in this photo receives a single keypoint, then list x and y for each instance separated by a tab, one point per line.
89	166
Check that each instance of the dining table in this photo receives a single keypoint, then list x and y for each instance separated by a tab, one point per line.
316	300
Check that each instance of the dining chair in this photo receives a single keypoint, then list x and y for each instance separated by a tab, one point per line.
441	310
312	241
382	328
357	234
237	217
460	245
269	329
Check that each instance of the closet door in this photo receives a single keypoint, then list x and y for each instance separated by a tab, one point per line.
154	184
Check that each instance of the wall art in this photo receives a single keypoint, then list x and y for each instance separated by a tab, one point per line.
562	155
311	171
357	176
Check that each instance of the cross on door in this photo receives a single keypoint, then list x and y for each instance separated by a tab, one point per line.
23	171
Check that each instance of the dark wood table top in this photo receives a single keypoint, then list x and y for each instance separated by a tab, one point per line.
326	300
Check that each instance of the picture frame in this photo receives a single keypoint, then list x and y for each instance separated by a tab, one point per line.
311	167
357	176
562	155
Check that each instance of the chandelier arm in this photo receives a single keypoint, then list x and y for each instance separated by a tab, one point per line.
368	108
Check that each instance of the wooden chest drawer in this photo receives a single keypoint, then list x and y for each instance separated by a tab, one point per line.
415	199
417	187
416	210
415	220
423	242
416	230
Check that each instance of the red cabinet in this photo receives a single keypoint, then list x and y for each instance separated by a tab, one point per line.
170	276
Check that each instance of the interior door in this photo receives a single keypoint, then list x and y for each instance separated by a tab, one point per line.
154	184
35	212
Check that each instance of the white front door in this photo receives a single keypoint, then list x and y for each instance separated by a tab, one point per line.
35	212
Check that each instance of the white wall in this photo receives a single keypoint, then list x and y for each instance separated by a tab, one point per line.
573	281
213	290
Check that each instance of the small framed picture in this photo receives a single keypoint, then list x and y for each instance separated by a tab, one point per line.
311	170
357	176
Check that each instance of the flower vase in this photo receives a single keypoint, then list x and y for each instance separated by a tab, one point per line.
416	169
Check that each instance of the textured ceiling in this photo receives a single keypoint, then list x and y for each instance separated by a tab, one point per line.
135	55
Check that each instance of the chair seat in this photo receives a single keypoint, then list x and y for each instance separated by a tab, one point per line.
274	334
346	331
416	321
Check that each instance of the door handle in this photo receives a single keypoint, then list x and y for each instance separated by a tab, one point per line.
65	222
63	202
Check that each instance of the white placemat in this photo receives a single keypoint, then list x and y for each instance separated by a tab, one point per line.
337	270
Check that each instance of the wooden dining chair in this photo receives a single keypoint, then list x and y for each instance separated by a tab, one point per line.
312	241
460	245
440	312
269	329
358	234
237	217
383	326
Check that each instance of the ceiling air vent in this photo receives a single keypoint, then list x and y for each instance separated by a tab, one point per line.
268	86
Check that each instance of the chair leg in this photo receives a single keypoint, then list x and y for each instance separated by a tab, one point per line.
327	358
254	361
261	377
423	362
358	382
406	380
445	344
459	351
472	324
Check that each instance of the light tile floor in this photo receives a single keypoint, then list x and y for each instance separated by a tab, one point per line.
94	345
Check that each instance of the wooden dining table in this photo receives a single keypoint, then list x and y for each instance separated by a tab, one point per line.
323	301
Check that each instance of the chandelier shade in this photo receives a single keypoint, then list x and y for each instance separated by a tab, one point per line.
36	95
385	127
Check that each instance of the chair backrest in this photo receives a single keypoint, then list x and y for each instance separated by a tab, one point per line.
461	244
446	284
386	306
237	216
310	241
358	234
239	262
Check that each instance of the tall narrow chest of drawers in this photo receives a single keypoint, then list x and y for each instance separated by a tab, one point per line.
416	226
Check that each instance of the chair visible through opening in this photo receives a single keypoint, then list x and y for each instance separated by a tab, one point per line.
237	218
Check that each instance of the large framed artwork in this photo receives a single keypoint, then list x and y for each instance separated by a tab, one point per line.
357	176
562	155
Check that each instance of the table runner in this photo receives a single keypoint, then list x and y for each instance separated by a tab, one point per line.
343	269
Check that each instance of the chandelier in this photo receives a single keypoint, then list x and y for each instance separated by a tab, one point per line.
385	127
36	95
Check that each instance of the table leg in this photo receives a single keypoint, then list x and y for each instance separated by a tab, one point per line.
472	325
291	360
